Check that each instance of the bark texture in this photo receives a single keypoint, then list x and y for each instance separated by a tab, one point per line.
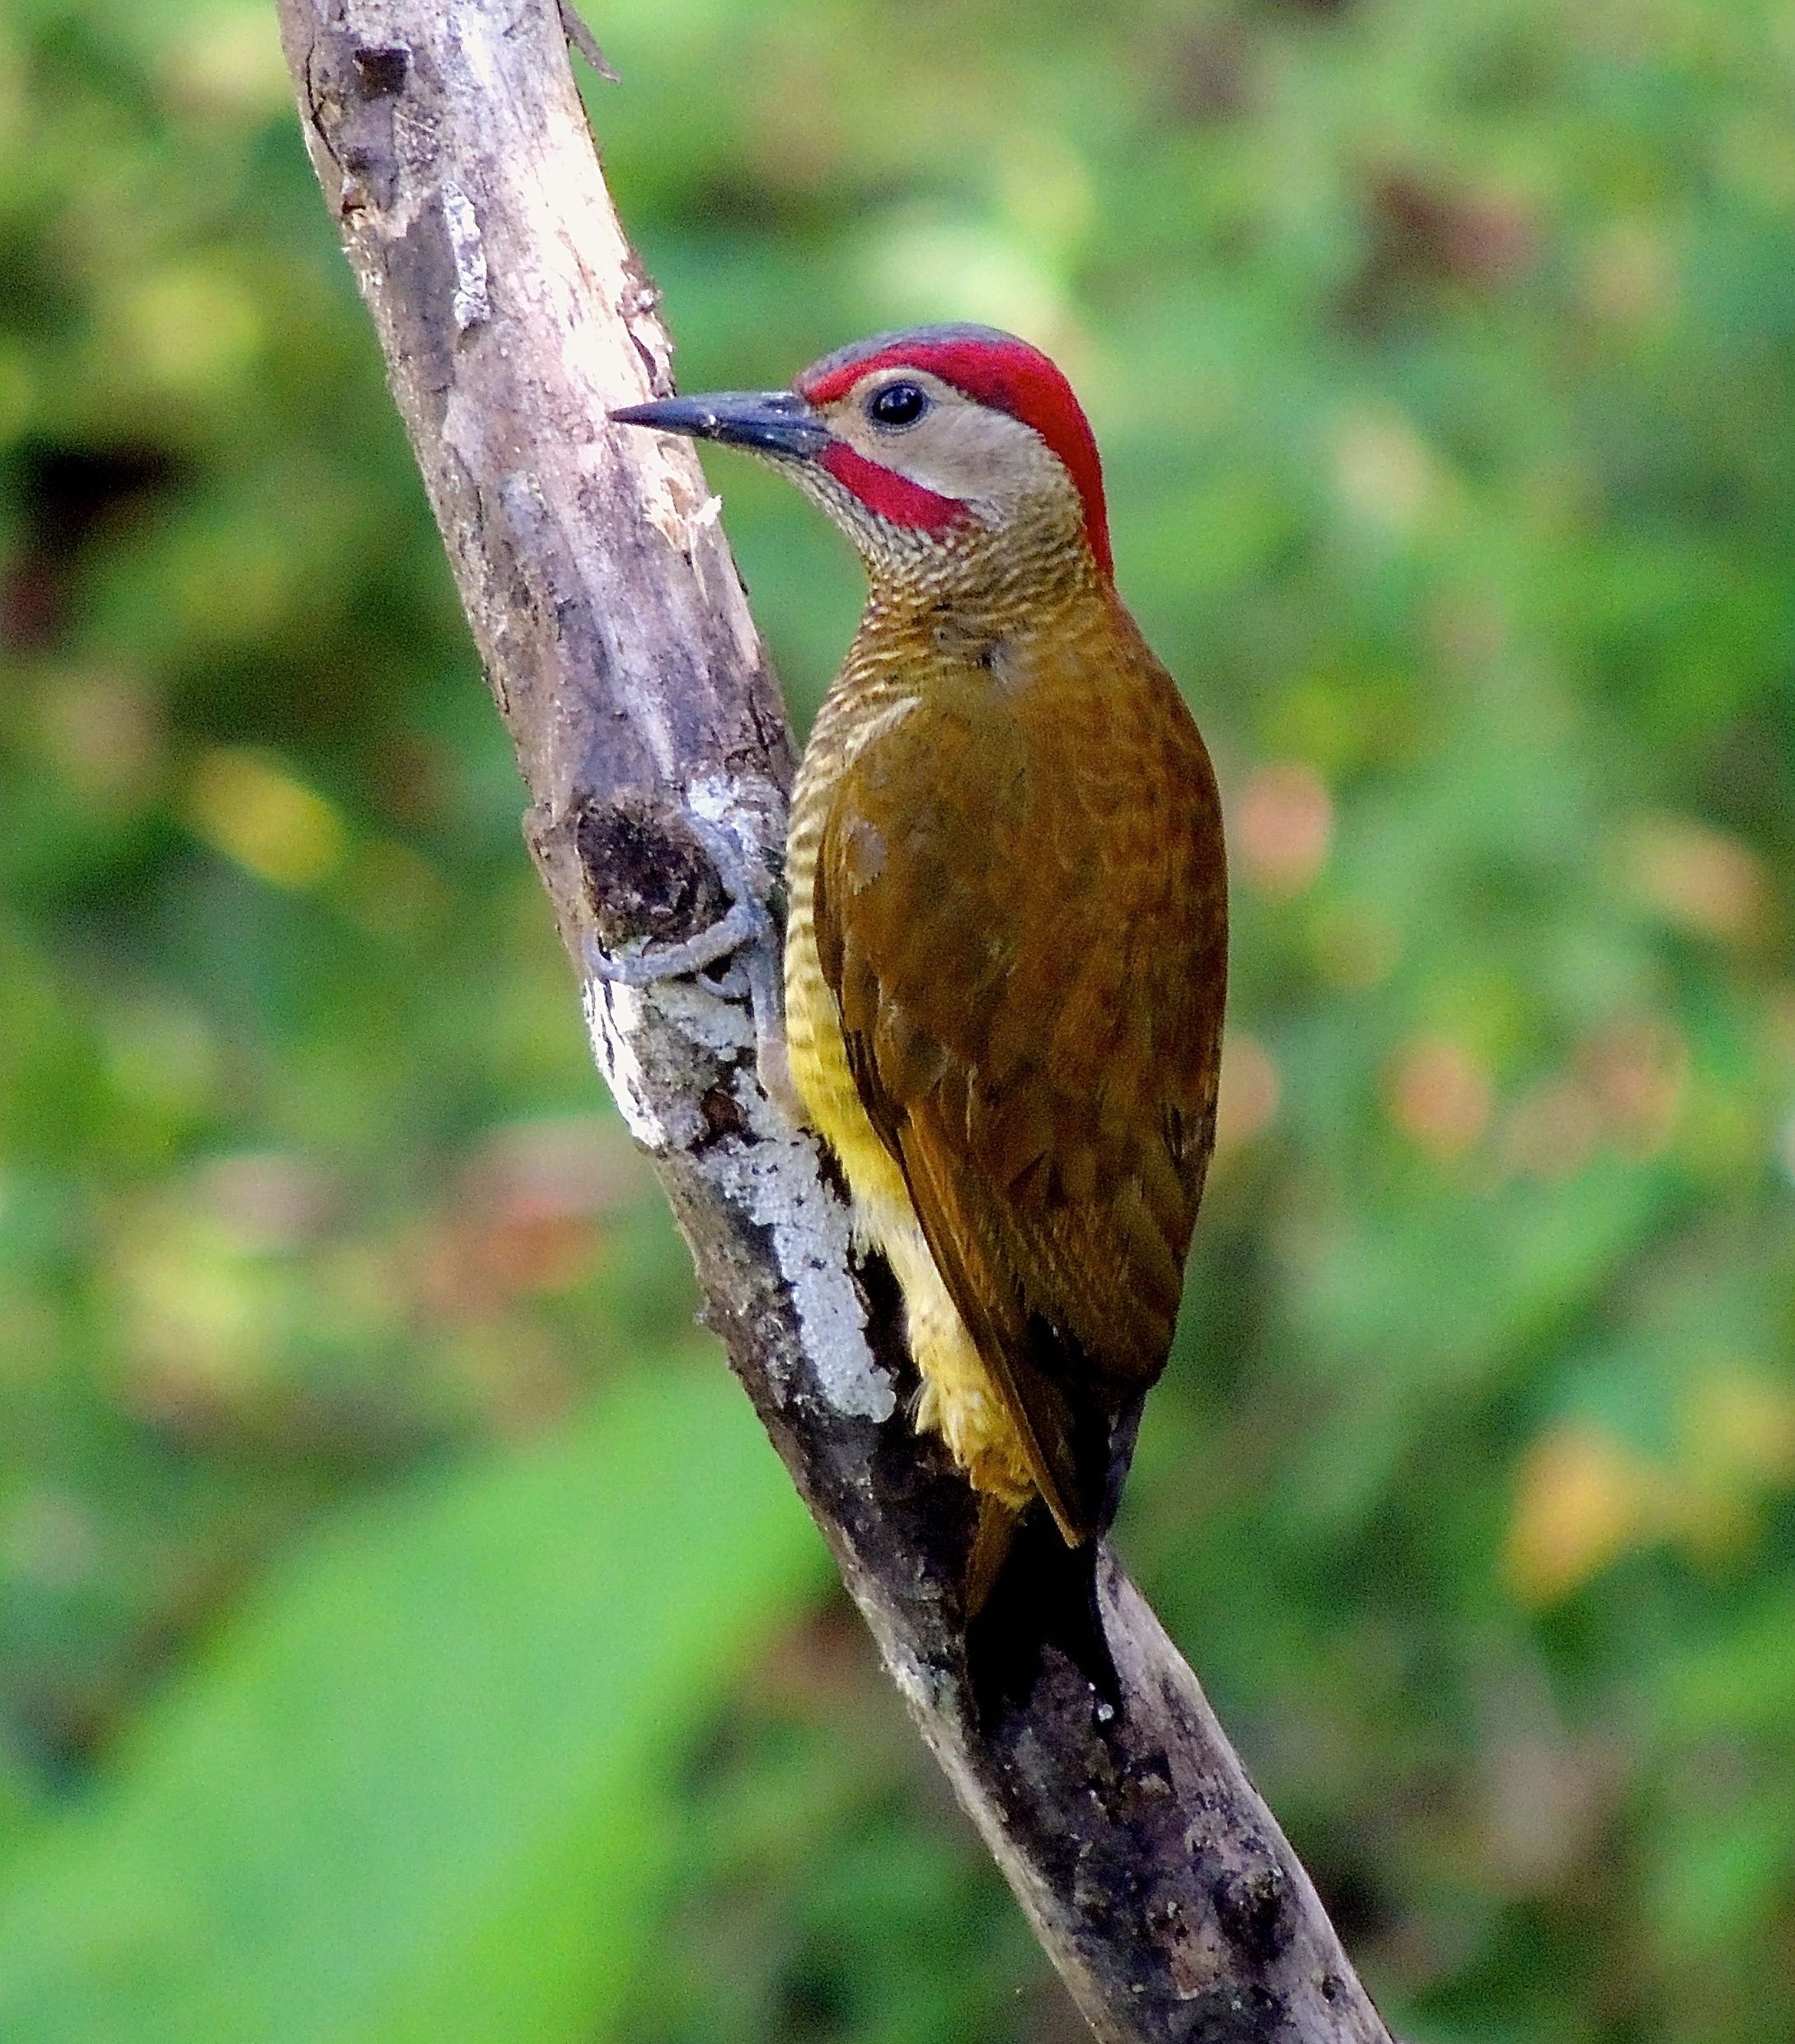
454	153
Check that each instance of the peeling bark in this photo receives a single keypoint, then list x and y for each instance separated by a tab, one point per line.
453	150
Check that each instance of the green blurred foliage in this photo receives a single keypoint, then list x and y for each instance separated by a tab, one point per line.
1444	362
393	1798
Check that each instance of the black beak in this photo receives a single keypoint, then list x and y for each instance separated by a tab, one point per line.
768	421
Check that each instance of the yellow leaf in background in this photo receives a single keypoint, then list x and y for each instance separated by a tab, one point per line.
1705	882
1743	1425
187	327
1584	1501
246	806
1737	1442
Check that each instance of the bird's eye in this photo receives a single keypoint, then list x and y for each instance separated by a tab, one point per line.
897	404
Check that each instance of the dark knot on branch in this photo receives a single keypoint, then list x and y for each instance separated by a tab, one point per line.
648	876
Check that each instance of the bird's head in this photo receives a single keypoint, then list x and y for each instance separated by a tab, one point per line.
939	450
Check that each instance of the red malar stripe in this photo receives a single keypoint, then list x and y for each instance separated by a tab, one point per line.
892	496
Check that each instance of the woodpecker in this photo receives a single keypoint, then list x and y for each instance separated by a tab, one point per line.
1005	956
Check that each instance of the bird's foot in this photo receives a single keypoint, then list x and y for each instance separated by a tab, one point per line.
746	932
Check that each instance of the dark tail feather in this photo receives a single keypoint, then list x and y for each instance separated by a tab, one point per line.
1026	1590
991	1544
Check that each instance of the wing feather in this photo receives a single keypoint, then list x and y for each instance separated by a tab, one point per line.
1020	911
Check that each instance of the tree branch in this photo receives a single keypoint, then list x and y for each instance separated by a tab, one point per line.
453	150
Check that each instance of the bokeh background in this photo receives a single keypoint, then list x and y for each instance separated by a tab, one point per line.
404	1631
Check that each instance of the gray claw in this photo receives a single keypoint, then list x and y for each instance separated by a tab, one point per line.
746	930
746	922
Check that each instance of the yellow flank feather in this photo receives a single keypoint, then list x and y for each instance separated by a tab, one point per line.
958	1401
